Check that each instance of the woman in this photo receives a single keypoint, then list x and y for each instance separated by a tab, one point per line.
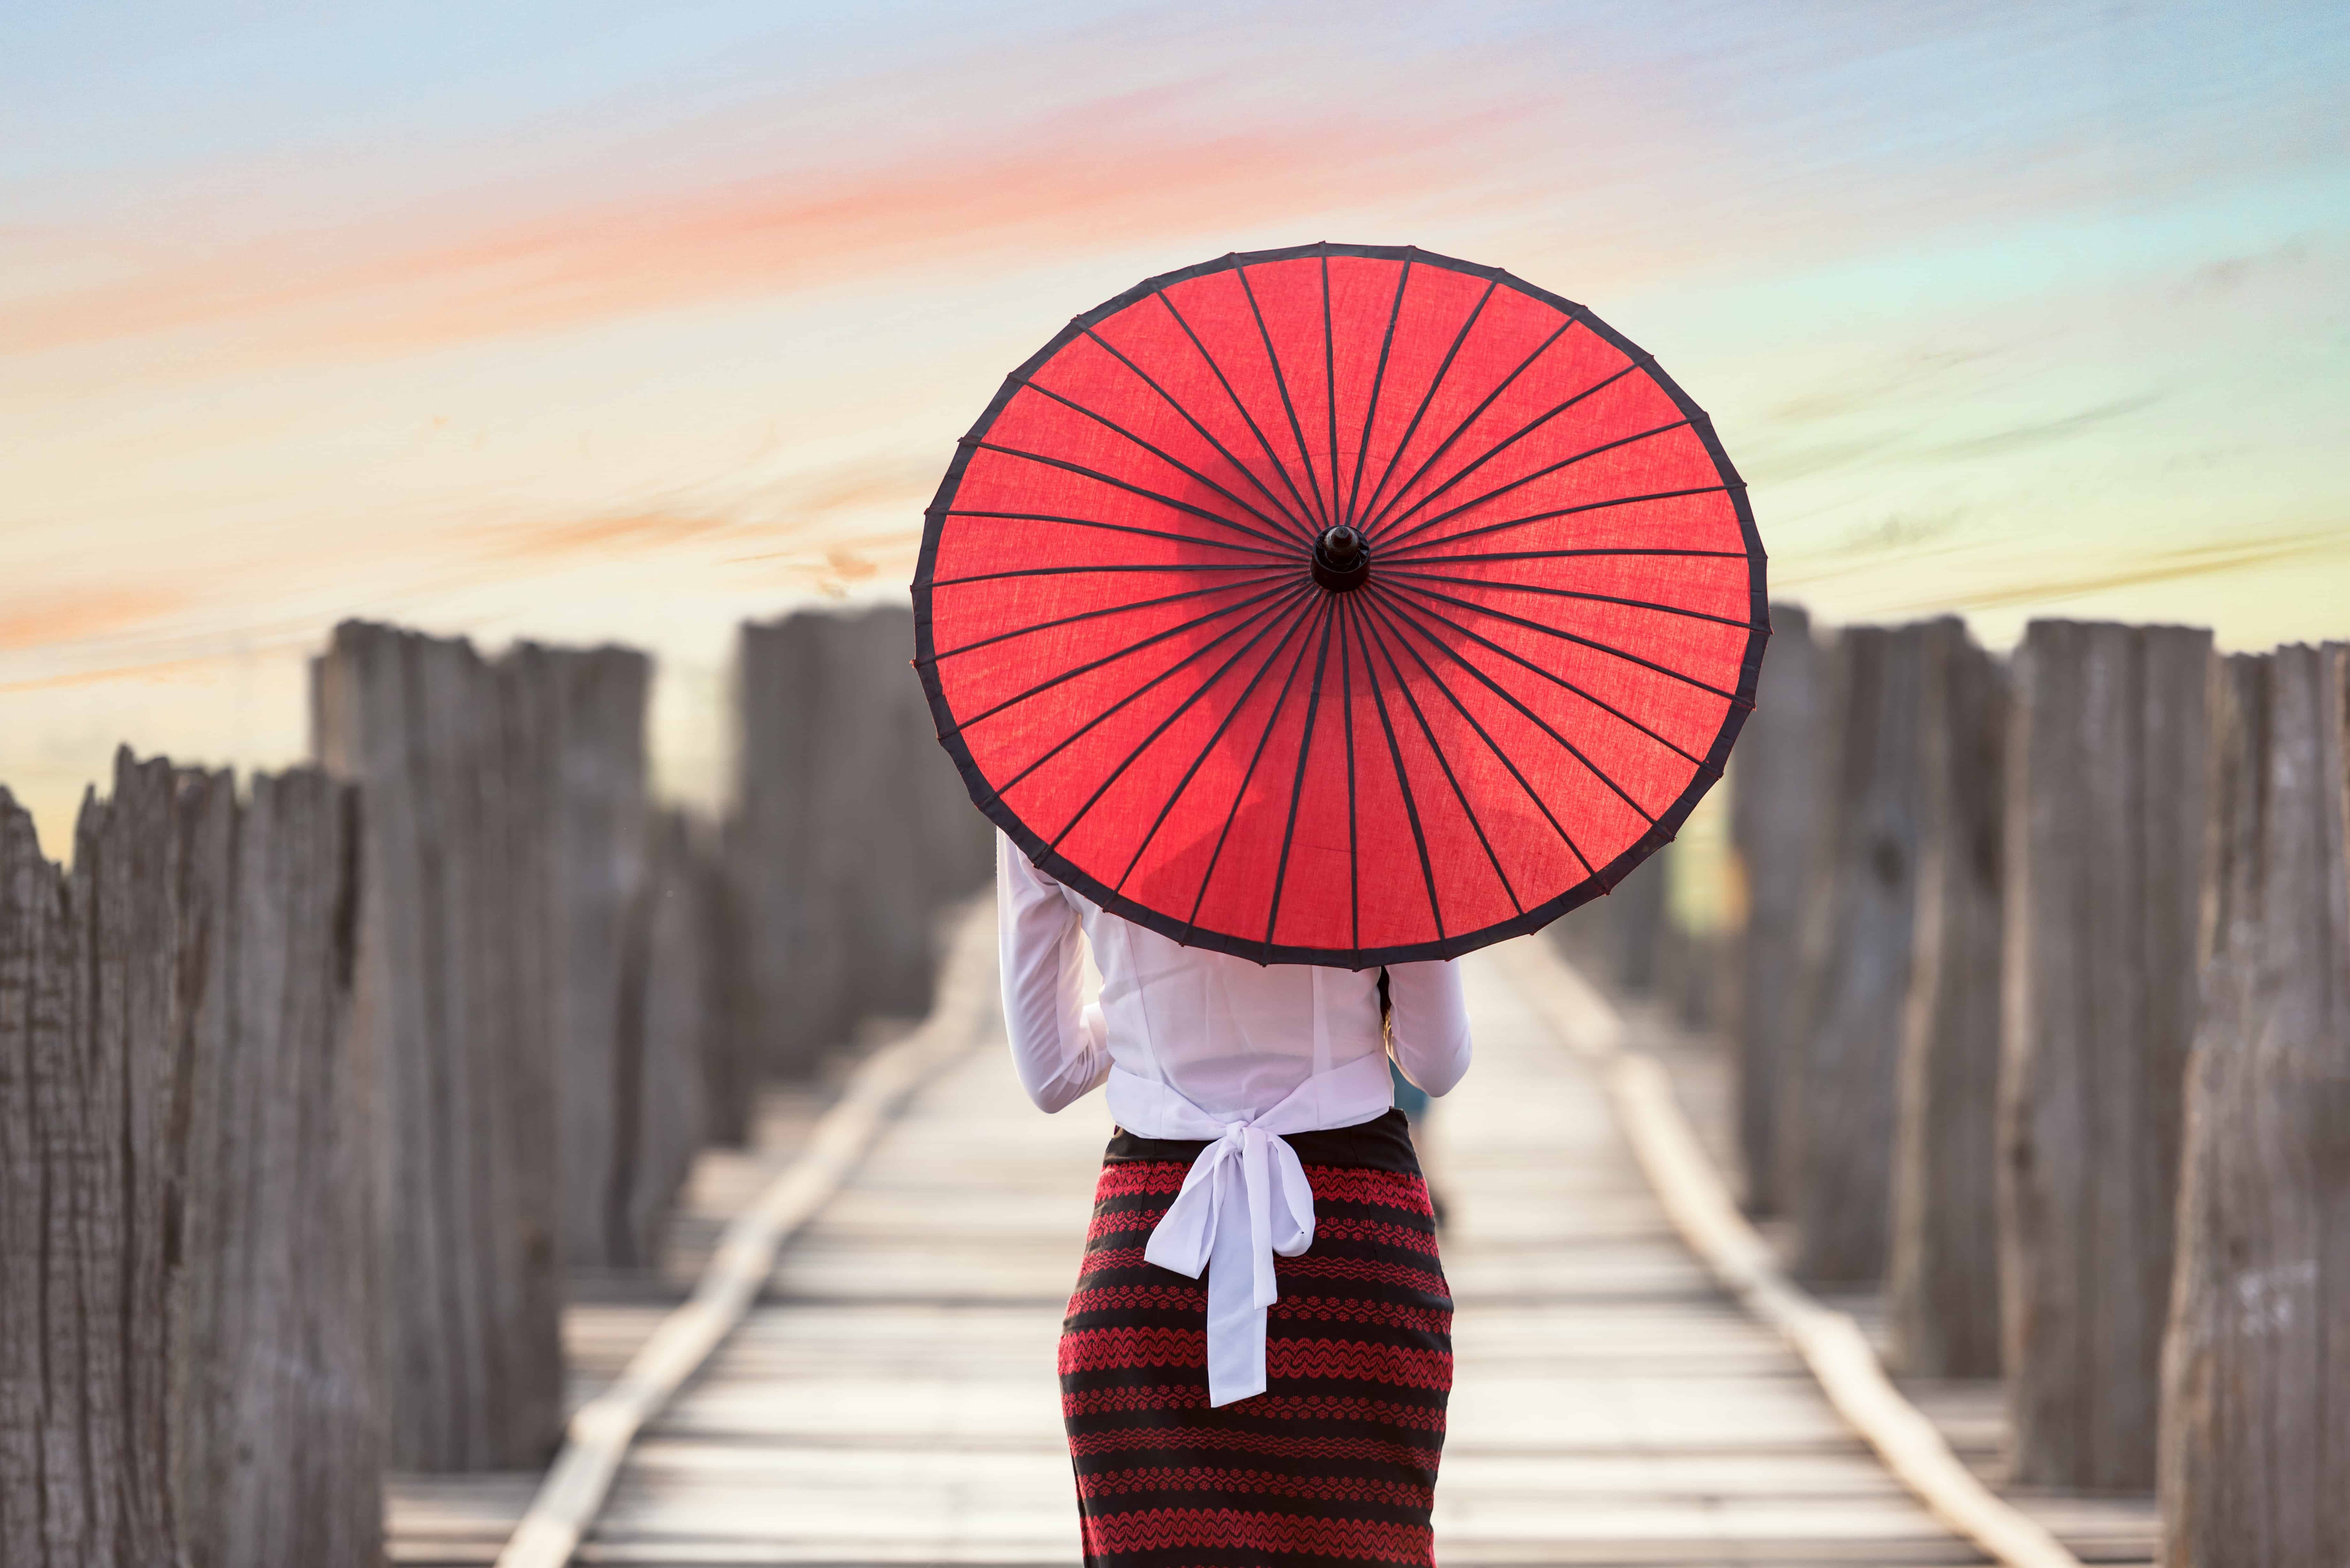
1255	1363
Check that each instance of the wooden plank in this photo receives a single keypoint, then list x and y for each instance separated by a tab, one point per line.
2256	1380
599	1433
1833	1347
2104	834
1836	1134
1943	1279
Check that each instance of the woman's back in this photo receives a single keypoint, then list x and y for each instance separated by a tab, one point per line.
1232	1038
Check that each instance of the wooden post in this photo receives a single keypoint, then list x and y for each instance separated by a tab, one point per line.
278	1374
2255	1443
1837	1143
1777	776
591	814
793	965
673	1018
188	1371
450	1019
851	830
1943	1291
2105	834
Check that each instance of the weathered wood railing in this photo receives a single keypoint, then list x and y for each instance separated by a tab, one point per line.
2043	1026
188	1364
309	1102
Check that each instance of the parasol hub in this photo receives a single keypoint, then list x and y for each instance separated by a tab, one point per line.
1342	561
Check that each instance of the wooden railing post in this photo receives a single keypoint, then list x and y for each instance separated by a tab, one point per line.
278	1369
586	709
1837	1139
1943	1284
2105	834
188	1361
794	963
2255	1441
674	1067
851	830
1776	782
452	1020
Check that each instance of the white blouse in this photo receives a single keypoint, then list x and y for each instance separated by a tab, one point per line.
1199	1044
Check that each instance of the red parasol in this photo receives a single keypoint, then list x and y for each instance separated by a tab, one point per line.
1342	605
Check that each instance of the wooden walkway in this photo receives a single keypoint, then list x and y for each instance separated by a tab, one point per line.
892	1400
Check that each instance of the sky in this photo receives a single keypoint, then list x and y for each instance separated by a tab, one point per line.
595	321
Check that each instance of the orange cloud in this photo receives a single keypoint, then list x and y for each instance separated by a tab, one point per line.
1109	176
64	617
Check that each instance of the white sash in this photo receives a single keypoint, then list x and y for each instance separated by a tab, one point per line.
1245	1199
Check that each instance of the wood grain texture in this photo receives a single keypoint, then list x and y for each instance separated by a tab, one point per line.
279	1438
187	1370
2255	1448
2105	844
1776	778
1837	1130
1943	1282
453	1024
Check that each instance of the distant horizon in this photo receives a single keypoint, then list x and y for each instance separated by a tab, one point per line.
581	323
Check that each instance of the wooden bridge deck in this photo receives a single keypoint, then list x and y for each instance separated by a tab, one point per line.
891	1400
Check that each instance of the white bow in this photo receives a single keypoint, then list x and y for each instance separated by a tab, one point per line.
1245	1199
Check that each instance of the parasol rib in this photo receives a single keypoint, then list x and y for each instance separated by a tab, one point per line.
1304	750
1288	551
1540	723
1403	780
1428	732
1387	517
1139	693
1488	557
1401	627
1427	522
1378	380
1072	571
1080	616
1429	397
1288	481
1145	492
1575	638
1462	428
1330	383
1281	384
1556	678
1127	651
1347	714
1396	550
1272	722
1293	622
1221	725
1166	457
1394	572
1206	434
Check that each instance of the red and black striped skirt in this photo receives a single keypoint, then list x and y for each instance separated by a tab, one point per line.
1336	1461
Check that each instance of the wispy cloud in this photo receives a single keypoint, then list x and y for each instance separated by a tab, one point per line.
1108	173
71	616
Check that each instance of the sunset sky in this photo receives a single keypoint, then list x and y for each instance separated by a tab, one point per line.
618	321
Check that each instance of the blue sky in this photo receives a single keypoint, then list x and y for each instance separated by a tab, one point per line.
596	320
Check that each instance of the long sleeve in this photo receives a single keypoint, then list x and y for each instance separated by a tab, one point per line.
1431	1023
1057	1045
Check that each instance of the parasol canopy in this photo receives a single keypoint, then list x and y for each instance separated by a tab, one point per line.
1344	605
